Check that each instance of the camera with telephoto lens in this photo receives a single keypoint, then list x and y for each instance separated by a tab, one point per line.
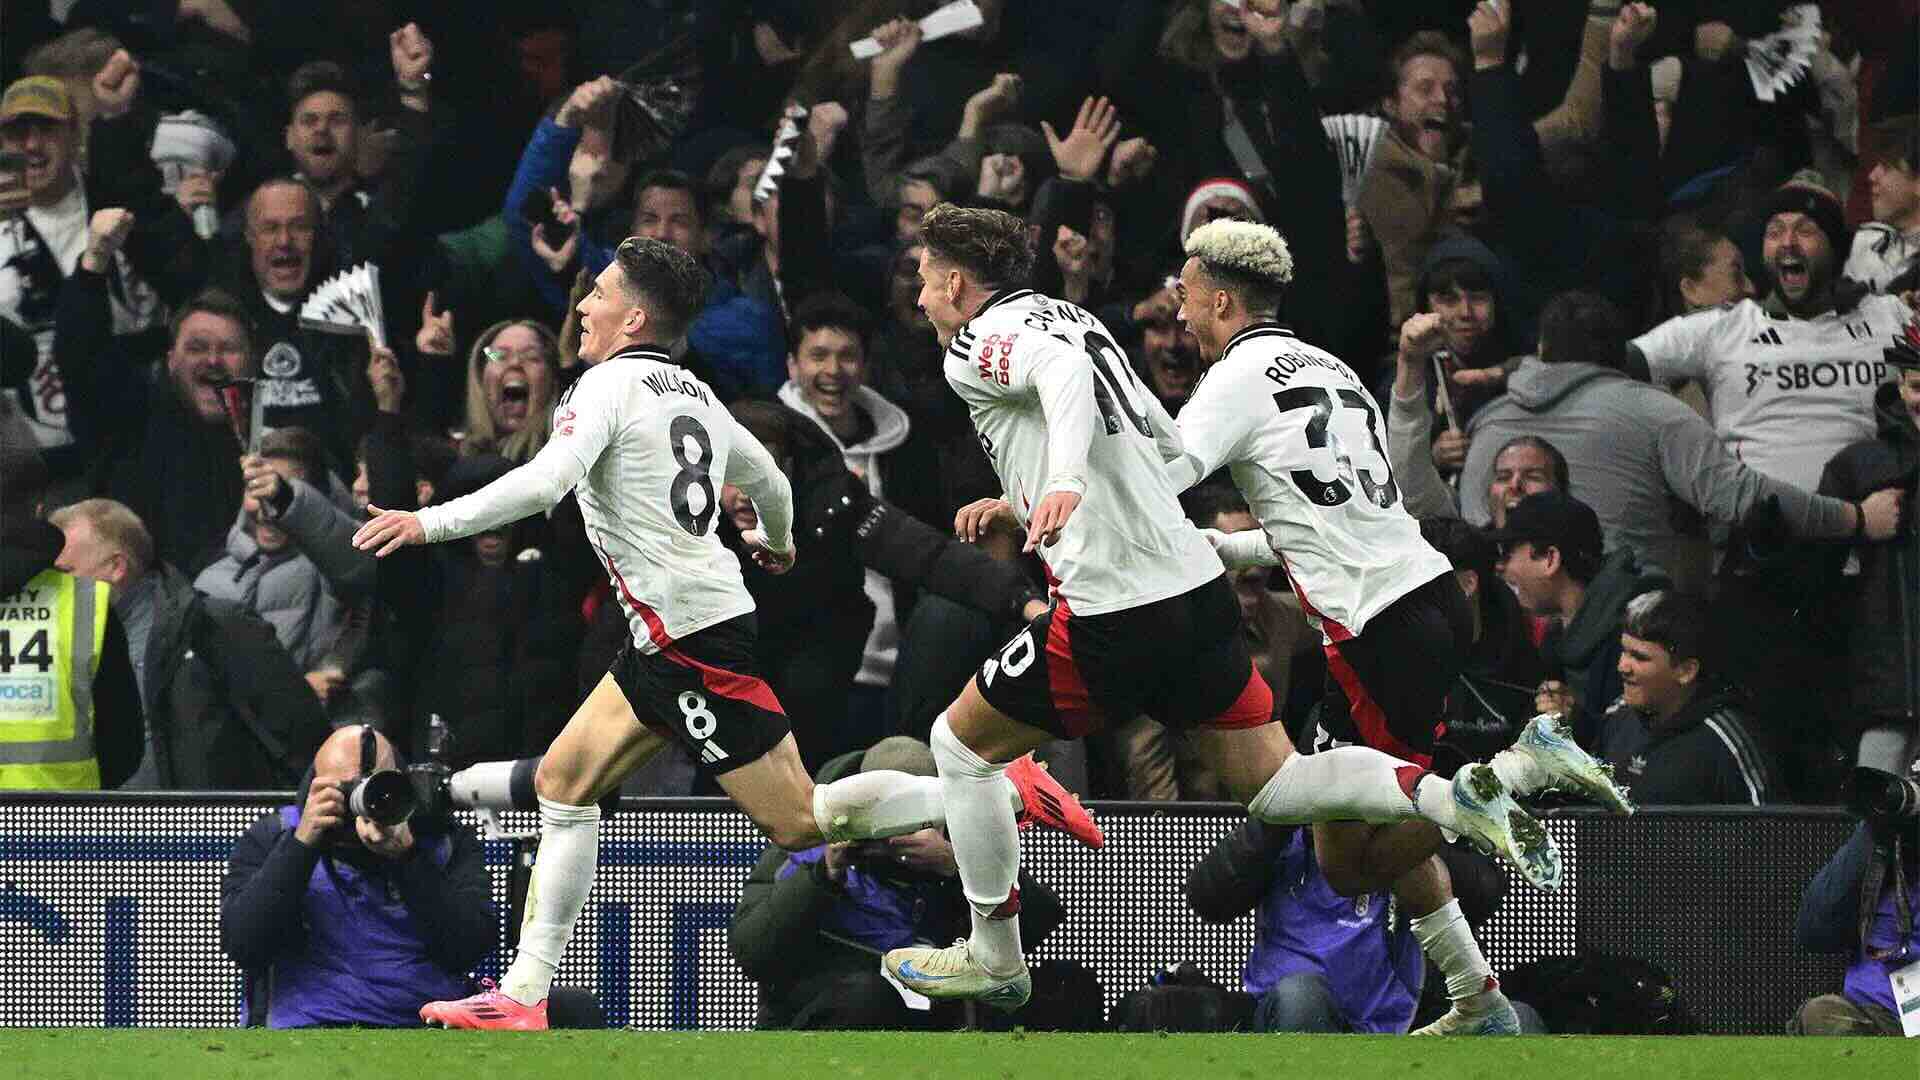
1878	795
389	797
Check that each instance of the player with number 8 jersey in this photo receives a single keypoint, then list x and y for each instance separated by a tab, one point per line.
647	447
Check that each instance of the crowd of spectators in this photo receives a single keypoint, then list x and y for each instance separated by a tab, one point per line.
1642	308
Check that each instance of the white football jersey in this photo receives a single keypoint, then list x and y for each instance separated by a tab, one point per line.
1306	445
1058	408
1787	393
647	447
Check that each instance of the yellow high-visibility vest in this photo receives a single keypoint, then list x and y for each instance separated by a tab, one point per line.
51	634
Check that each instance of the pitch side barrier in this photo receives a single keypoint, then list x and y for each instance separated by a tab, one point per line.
109	906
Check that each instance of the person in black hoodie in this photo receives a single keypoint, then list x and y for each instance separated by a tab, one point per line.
1681	733
1494	695
30	584
814	620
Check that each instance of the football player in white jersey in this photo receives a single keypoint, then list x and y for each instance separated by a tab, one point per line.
1304	443
647	447
1143	618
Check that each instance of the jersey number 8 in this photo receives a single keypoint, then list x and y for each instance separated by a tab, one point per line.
693	475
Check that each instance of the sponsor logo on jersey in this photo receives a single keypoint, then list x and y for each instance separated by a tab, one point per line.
994	358
1821	375
563	422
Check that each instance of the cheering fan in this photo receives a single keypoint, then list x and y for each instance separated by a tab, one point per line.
1355	137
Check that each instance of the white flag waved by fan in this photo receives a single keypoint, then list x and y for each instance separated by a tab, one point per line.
1355	137
1781	59
348	303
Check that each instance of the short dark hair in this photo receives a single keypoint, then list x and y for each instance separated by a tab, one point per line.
1424	43
1675	621
990	245
1206	501
1466	547
673	180
212	302
724	173
1582	327
1562	477
829	310
770	422
668	282
1685	249
300	446
1898	142
1465	275
317	76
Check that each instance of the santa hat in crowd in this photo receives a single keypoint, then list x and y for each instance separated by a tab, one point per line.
1192	216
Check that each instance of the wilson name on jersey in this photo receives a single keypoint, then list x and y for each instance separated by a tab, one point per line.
646	447
1306	445
1057	407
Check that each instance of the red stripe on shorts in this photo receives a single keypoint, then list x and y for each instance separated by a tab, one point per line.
729	684
1071	702
1369	719
1252	708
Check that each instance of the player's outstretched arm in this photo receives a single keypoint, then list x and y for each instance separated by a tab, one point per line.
389	531
756	473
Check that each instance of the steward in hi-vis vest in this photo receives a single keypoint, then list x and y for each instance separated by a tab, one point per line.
52	631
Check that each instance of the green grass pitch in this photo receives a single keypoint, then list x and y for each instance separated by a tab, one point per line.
438	1055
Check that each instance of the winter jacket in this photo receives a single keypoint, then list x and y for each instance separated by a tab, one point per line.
1370	959
1639	456
1585	651
226	708
543	165
1836	918
1712	751
28	546
871	460
1407	201
180	474
350	937
1882	627
302	590
794	933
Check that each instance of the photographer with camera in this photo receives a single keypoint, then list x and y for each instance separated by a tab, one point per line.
349	907
1862	903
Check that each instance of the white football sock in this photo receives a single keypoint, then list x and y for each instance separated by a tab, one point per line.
562	876
1434	798
1447	940
1519	771
986	845
1346	783
878	804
